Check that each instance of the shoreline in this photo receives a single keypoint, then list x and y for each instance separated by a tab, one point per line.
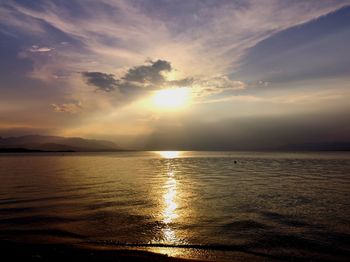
23	251
13	251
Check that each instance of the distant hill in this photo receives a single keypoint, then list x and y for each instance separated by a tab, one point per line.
335	146
33	143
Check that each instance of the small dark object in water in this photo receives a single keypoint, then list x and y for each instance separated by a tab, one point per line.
235	161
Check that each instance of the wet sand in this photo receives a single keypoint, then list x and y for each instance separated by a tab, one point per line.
20	251
12	251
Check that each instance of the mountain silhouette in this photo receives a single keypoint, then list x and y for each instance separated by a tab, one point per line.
56	143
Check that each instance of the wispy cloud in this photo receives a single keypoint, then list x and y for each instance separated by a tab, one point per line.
39	49
207	40
71	108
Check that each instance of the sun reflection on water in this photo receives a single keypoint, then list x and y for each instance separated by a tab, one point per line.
169	154
169	200
169	212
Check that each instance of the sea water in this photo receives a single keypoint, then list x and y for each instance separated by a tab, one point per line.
188	204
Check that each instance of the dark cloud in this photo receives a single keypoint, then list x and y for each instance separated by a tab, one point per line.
150	73
108	82
137	79
140	79
134	79
104	82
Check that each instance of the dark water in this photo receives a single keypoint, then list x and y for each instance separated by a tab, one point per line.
191	204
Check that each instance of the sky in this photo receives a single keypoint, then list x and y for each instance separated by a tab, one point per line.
177	75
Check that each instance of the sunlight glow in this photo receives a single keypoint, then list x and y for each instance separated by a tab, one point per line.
175	98
169	154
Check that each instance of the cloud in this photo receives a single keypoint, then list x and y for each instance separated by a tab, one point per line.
148	77
151	73
215	85
103	81
111	35
195	36
39	49
71	108
188	81
138	78
144	76
109	41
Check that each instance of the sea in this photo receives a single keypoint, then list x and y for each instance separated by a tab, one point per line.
219	206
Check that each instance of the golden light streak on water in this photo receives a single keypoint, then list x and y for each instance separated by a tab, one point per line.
170	205
169	200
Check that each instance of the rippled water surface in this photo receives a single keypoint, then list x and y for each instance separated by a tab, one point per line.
192	204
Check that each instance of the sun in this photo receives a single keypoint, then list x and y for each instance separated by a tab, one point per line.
174	98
